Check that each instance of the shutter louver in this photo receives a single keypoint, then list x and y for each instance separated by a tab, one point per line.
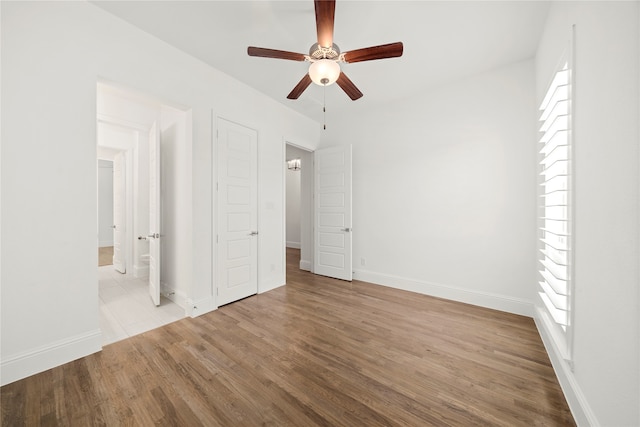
554	221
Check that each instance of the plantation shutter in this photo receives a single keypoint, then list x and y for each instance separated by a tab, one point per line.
555	229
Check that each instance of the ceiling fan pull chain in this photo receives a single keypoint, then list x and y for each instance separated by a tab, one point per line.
324	106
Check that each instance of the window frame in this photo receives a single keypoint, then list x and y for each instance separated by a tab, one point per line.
562	336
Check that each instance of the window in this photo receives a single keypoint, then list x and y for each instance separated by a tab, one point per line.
555	208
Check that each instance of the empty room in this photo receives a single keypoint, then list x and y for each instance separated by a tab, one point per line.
359	212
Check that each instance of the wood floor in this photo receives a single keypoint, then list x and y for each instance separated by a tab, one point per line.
105	256
317	352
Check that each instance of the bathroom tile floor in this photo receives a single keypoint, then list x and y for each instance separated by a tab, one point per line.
126	308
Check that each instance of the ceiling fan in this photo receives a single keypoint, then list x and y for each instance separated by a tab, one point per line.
325	56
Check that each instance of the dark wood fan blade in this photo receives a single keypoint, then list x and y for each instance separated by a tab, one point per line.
300	87
391	50
274	53
348	87
325	15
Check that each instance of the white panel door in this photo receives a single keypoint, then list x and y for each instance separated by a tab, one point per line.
154	214
237	219
119	213
332	255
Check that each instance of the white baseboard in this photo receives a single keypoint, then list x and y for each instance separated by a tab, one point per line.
200	307
578	404
49	356
140	271
483	299
105	243
266	287
178	297
305	265
294	245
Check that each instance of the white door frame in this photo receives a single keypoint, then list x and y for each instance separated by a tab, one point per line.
129	207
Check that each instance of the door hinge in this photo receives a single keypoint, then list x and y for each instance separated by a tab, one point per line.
216	238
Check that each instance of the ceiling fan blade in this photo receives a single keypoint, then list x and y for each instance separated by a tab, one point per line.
274	53
300	87
348	87
391	50
325	15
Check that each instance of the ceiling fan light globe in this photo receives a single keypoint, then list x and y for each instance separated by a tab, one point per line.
324	72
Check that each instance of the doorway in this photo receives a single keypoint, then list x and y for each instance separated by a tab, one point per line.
299	206
124	123
322	182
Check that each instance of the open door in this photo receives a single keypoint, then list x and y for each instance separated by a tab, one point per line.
154	214
119	213
237	200
333	239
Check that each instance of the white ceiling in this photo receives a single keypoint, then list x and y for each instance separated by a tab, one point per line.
443	41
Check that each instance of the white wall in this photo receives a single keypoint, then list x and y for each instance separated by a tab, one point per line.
443	190
604	386
176	200
53	55
105	203
115	137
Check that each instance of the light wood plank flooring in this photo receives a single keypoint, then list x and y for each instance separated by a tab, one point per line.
105	256
317	352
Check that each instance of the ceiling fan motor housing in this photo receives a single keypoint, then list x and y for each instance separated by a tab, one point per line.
318	52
